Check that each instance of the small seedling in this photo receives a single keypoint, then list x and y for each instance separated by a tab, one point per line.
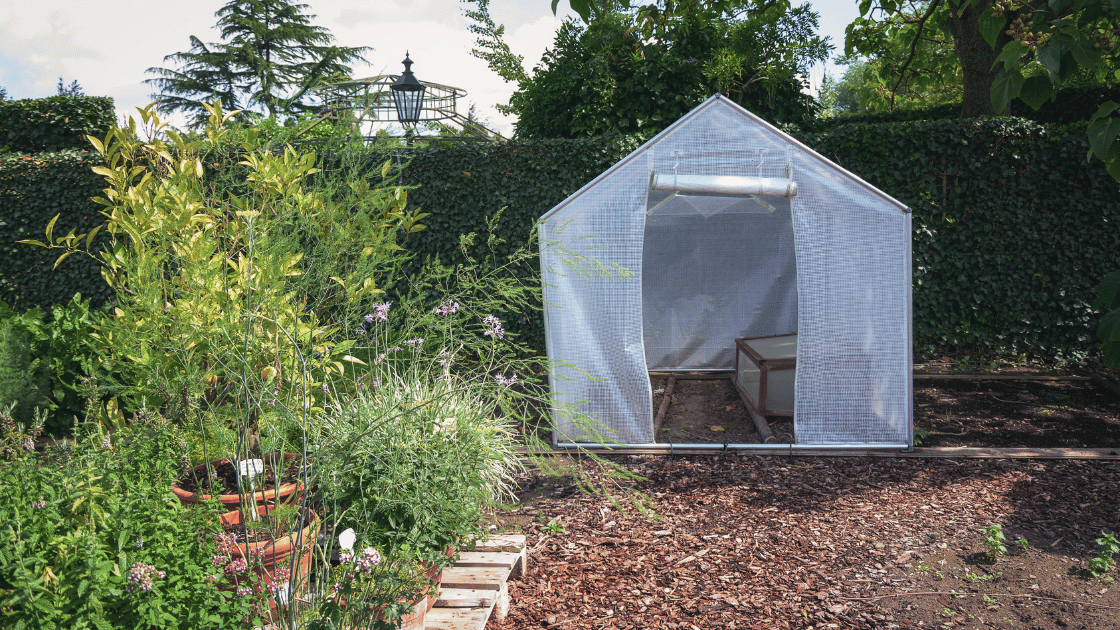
1023	543
993	540
555	526
919	436
1107	546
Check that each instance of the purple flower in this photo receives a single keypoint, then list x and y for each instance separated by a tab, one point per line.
370	558
414	343
28	444
448	308
40	504
237	565
380	313
447	357
106	443
139	542
494	327
505	382
326	388
141	575
360	330
218	561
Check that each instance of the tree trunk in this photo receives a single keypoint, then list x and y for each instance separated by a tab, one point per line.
977	58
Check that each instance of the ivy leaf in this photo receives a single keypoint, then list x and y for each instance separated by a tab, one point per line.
1035	91
991	25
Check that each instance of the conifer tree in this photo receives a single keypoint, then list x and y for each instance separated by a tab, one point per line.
270	57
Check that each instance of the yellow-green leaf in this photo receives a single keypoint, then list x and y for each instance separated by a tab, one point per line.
60	259
91	235
50	227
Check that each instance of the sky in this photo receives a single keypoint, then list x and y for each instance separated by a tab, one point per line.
107	45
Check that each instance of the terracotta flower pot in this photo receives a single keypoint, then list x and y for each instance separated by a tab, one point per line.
435	574
413	620
270	560
233	501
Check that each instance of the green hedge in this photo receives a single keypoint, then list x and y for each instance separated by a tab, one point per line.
1013	229
55	123
33	189
1070	106
461	186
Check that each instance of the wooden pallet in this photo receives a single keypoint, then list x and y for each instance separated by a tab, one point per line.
475	588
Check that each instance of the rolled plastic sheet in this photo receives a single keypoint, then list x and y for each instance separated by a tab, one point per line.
724	184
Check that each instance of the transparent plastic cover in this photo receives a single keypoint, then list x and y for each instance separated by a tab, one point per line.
639	280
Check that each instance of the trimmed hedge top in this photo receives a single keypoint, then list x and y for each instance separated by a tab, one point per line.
55	123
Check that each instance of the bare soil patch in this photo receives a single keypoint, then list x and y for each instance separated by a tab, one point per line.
947	412
778	542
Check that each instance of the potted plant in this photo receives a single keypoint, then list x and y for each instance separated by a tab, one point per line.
277	481
369	589
270	554
416	463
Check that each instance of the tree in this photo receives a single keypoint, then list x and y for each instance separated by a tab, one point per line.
629	70
3	94
1002	49
845	95
72	90
271	57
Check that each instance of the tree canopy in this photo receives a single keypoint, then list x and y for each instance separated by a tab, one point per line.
991	52
636	70
69	90
270	58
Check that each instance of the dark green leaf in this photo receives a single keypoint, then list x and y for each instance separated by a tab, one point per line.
1036	91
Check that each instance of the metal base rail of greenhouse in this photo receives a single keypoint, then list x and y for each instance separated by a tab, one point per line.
770	448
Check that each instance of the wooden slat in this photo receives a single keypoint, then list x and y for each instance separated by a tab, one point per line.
456	619
957	376
501	542
496	559
466	598
475	577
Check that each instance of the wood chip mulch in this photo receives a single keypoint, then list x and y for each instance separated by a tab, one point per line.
775	542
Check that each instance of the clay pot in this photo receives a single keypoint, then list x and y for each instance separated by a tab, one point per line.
435	574
415	619
233	501
277	554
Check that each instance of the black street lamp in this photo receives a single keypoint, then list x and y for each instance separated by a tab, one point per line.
408	94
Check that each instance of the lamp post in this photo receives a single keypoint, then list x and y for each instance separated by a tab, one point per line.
408	94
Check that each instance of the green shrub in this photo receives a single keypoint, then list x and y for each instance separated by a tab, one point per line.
79	520
42	363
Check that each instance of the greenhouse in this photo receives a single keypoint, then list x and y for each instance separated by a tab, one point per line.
722	229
